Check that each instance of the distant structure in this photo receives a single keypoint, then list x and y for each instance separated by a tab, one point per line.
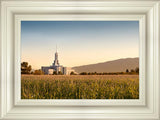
56	68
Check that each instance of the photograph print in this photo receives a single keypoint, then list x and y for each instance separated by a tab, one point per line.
79	59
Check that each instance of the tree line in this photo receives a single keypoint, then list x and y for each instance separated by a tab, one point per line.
132	71
27	69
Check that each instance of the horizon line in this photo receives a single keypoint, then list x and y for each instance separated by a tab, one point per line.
92	63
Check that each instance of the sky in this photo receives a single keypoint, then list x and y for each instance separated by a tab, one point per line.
78	42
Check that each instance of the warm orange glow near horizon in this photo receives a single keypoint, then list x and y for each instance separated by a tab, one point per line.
79	43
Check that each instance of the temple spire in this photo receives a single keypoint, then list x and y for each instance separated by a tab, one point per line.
56	47
56	62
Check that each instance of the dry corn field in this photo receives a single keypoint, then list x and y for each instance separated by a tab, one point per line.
80	87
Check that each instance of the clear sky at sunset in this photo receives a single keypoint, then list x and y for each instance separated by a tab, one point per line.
78	42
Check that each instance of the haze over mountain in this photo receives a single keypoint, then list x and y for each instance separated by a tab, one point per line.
119	65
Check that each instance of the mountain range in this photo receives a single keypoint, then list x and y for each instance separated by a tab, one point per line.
119	65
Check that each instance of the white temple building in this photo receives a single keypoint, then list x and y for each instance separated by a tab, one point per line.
56	67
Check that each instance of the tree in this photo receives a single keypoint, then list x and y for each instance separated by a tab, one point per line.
83	73
60	73
95	73
38	72
137	70
72	73
132	70
55	73
25	68
127	71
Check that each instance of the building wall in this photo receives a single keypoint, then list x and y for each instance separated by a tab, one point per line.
67	70
45	69
50	71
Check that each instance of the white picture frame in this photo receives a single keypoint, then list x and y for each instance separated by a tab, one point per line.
146	12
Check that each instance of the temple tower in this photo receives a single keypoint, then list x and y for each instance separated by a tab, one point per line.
56	62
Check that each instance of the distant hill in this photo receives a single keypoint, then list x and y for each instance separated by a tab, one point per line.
119	65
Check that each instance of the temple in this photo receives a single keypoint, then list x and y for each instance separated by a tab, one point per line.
56	68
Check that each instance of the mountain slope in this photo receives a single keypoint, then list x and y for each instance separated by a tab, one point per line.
119	65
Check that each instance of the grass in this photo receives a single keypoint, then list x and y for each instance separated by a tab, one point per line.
80	87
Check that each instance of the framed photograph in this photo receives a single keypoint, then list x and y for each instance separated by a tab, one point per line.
80	60
82	44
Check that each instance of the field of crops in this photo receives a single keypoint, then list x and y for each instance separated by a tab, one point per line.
80	87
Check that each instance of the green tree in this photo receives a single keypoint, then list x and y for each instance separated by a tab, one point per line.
38	72
132	70
60	73
55	73
137	70
127	71
95	73
83	73
72	73
25	68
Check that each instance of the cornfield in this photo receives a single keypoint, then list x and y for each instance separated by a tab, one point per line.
80	87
